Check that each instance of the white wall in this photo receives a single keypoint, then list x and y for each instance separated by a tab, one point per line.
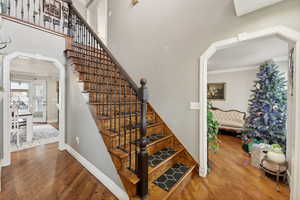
79	122
97	18
238	87
51	101
163	40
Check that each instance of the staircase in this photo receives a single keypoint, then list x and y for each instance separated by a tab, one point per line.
151	161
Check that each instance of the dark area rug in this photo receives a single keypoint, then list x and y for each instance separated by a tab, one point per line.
160	156
167	180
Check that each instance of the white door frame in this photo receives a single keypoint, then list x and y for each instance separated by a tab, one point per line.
282	32
6	100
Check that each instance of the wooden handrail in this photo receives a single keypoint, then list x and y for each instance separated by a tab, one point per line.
132	83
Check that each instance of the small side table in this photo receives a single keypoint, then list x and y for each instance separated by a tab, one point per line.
276	169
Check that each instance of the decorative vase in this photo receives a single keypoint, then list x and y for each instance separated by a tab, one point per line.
277	157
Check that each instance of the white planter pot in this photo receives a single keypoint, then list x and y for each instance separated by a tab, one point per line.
276	157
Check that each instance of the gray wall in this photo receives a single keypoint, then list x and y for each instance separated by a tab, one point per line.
78	117
24	37
163	40
81	124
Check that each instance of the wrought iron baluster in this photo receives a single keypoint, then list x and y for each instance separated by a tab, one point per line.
22	9
34	12
115	110
9	7
130	133
28	9
40	11
111	107
16	8
136	133
120	113
125	116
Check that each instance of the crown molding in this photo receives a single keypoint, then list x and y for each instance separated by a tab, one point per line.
247	68
236	69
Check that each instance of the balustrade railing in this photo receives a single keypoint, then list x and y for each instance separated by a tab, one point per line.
49	14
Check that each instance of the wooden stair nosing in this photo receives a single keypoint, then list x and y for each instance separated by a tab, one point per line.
113	134
178	149
122	155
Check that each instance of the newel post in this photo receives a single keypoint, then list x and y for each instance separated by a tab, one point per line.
142	189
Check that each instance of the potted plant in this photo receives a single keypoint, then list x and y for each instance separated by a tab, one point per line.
212	132
276	154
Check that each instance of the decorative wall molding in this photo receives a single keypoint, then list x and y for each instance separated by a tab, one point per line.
279	31
105	180
6	111
236	69
247	68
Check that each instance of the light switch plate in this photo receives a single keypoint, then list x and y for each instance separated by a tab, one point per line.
195	106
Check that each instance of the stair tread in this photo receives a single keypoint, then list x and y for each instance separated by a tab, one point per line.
122	103
121	154
129	175
127	114
155	192
112	133
159	160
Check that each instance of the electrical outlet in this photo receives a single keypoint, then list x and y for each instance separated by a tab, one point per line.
77	140
195	106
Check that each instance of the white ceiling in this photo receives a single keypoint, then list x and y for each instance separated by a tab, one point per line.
33	67
243	7
248	54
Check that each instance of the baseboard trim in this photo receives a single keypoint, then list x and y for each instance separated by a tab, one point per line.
105	180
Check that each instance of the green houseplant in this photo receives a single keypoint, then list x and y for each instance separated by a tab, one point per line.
212	130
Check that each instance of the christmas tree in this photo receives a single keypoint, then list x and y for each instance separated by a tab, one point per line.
268	107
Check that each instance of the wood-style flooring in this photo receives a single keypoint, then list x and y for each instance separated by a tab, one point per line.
45	173
233	178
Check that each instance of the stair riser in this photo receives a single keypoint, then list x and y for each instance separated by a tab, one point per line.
110	98
95	71
110	109
80	47
120	122
104	80
91	56
96	64
105	88
131	136
151	149
156	173
87	53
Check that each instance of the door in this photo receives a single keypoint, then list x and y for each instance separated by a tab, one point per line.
38	99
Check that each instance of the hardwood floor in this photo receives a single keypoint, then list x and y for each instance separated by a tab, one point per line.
45	173
233	178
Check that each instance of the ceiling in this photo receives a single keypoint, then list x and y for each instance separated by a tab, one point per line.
243	7
248	54
33	67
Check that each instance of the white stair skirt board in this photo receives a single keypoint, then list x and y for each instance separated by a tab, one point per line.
105	180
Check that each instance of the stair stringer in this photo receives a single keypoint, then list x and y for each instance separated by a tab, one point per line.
91	145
